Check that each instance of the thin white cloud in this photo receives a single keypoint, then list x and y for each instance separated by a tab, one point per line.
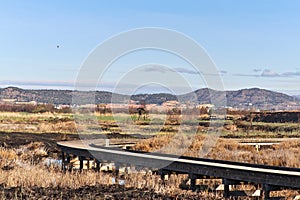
157	68
291	74
269	73
37	83
222	72
257	70
186	71
161	69
247	75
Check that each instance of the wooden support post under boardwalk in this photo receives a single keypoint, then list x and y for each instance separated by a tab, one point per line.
164	175
226	188
226	191
267	189
117	169
266	194
88	164
80	163
227	183
98	165
68	162
193	182
63	161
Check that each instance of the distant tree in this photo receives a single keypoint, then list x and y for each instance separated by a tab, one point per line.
203	110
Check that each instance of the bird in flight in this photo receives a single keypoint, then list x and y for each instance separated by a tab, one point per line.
57	46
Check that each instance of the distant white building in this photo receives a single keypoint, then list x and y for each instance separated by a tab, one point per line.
8	100
26	103
205	106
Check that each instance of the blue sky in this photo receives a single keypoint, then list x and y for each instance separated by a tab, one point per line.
253	43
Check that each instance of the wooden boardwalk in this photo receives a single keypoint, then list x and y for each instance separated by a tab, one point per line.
232	173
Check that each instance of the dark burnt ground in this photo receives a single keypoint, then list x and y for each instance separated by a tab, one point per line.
90	192
16	139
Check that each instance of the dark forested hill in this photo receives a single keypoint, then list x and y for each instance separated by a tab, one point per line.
259	98
245	98
56	96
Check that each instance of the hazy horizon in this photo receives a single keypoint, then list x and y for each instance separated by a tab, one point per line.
292	93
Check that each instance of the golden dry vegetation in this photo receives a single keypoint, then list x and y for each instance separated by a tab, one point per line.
24	175
36	123
283	154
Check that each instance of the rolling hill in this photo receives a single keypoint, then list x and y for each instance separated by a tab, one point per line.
245	98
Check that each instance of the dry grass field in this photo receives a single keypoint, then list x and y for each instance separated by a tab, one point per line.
283	154
28	141
36	123
24	175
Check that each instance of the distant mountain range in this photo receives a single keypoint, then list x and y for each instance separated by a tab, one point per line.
245	98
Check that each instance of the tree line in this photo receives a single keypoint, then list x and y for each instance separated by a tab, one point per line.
31	108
